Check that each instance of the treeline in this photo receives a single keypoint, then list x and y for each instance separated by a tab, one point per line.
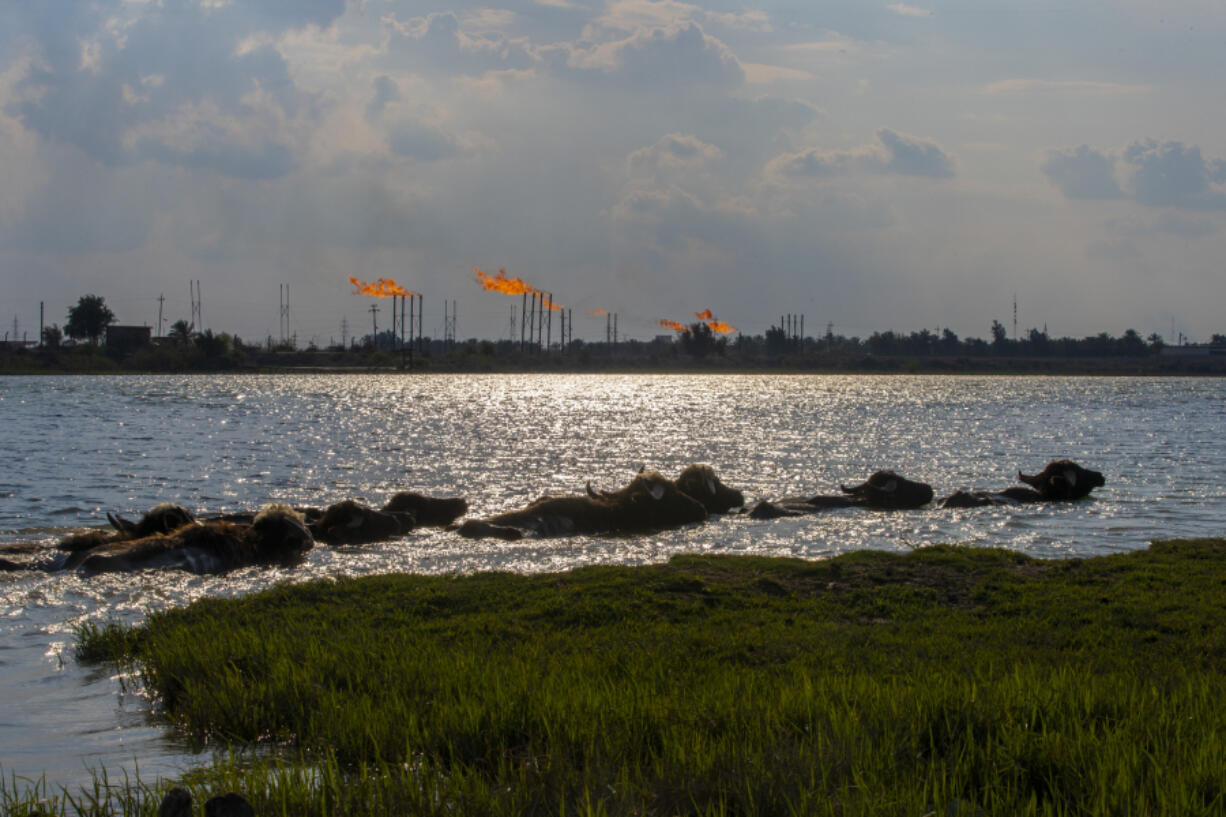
697	345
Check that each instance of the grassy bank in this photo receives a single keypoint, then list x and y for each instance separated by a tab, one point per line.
944	681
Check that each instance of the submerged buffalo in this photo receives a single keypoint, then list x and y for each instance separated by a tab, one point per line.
883	490
1064	479
277	536
650	502
161	518
351	523
1060	481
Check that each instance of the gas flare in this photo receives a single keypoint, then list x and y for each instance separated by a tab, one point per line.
501	283
382	288
511	286
707	317
597	312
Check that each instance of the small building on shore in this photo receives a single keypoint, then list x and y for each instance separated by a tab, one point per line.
123	340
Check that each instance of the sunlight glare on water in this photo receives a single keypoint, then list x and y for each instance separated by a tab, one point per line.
80	446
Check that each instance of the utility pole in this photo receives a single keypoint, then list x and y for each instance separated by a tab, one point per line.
374	325
1015	316
344	332
40	324
161	302
549	330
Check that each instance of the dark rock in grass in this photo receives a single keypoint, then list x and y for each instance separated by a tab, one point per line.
176	803
228	805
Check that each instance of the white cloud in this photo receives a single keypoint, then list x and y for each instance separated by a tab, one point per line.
674	56
1082	173
1154	174
895	153
909	11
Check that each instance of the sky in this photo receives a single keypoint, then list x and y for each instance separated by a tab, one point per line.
870	166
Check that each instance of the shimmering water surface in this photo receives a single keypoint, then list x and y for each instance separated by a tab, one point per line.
78	446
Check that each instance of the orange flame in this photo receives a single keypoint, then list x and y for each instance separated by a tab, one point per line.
501	283
382	288
723	327
597	312
511	286
707	317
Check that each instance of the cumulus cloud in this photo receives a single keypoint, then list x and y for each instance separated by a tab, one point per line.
1171	174
671	56
108	81
1082	173
896	153
423	142
442	41
1155	174
674	150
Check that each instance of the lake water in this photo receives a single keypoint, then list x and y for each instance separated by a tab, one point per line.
77	447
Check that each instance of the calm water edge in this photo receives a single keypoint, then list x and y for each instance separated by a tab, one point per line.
77	447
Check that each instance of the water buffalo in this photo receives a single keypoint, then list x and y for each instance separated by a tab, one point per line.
884	490
700	482
1064	479
977	499
650	502
351	523
427	510
1061	480
276	536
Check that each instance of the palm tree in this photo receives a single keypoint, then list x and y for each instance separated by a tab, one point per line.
181	331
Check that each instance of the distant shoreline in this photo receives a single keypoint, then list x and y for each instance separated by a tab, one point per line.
881	366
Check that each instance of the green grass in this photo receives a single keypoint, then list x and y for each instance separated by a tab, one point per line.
944	681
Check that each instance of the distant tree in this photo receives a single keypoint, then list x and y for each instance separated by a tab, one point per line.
1156	342
699	340
1218	340
89	318
776	340
1039	344
53	336
1000	337
181	331
212	346
1132	344
949	342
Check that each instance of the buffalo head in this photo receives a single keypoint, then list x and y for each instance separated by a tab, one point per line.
701	483
1063	479
280	535
649	502
161	518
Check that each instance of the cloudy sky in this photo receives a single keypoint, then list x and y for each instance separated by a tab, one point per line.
872	166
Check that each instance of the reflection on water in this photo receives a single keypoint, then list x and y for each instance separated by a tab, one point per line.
79	446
